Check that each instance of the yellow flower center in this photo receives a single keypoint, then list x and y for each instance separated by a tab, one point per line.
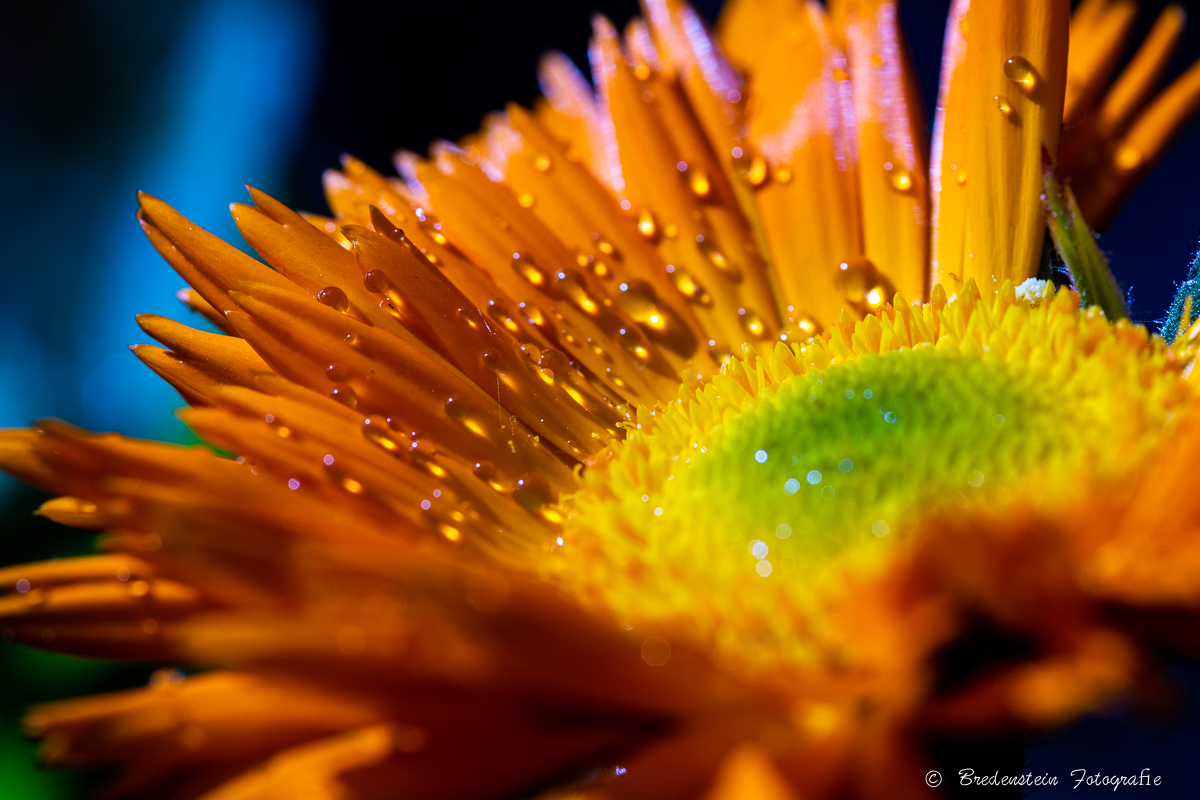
759	491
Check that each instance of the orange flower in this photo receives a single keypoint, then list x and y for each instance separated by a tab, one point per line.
603	455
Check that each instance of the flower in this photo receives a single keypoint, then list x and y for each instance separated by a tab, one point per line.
604	453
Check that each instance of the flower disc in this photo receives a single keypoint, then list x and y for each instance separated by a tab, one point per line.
775	481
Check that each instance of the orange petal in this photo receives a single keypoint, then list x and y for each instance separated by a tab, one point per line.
1097	33
1102	189
1015	77
1137	81
748	774
797	110
948	158
893	189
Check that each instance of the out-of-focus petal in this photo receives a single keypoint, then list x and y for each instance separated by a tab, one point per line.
1098	32
1132	89
1125	160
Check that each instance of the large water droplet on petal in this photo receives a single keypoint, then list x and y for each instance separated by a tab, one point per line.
335	298
1021	72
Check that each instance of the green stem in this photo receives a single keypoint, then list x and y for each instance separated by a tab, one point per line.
1077	246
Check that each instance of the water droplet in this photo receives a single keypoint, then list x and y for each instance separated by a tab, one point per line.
344	395
813	477
863	286
527	270
531	352
491	361
335	298
375	281
556	362
690	287
759	549
634	343
791	486
542	163
645	225
376	434
718	259
335	373
960	176
533	315
525	200
889	417
754	324
352	339
1004	107
761	456
532	491
485	470
574	286
753	170
456	408
901	179
1021	72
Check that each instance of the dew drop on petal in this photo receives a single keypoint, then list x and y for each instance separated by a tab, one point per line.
901	179
1004	107
344	395
335	298
375	281
1021	72
761	456
456	407
758	548
889	417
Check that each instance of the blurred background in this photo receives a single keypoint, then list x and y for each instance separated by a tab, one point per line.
188	100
